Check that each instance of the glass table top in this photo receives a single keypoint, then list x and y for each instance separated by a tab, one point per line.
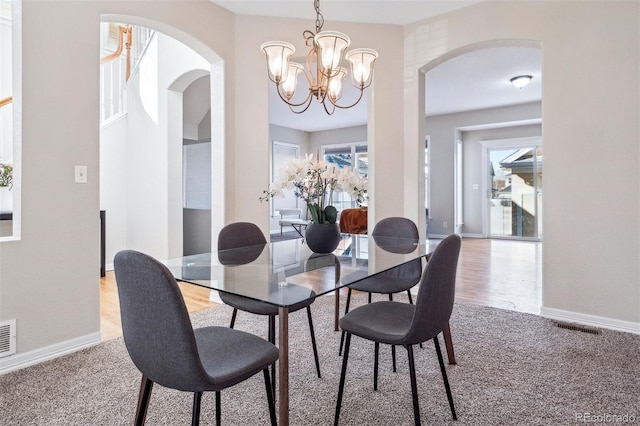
287	272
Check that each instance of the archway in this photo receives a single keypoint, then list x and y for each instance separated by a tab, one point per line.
446	150
163	172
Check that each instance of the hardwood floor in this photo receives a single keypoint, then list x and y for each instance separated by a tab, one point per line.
196	299
498	273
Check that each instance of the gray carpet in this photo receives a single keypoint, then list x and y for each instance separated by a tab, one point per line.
513	368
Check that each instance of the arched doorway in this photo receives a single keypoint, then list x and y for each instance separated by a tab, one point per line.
468	99
146	175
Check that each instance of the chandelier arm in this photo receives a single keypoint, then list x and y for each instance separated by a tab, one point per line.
293	104
313	80
348	106
302	110
324	104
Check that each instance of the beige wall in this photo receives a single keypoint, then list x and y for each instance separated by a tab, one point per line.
590	129
49	279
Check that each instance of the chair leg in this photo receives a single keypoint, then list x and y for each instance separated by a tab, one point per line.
195	417
393	357
448	343
272	339
414	386
313	342
218	411
144	396
346	311
343	373
233	317
444	377
393	348
375	365
369	297
270	401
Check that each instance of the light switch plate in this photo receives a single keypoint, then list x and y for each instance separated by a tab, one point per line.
81	174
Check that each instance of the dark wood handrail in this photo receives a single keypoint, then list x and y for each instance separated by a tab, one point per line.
6	101
122	44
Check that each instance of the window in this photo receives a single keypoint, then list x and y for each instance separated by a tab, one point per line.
282	154
350	155
10	76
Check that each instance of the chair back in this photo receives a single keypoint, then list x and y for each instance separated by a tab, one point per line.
155	323
400	227
240	234
434	303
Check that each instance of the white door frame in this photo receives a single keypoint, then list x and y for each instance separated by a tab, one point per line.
533	141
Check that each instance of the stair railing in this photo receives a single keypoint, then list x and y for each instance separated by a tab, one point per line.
116	69
6	101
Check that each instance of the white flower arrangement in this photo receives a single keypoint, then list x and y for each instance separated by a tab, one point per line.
314	182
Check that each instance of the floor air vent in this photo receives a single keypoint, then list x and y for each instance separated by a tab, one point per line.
7	338
578	328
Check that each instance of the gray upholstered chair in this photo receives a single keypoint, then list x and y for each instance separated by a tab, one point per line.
166	348
245	234
396	280
407	325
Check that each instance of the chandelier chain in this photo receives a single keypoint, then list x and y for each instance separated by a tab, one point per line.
319	17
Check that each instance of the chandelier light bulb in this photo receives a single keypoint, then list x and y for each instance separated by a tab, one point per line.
335	85
361	65
331	44
291	81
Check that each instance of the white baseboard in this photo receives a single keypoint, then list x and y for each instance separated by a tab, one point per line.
437	236
22	360
467	235
590	320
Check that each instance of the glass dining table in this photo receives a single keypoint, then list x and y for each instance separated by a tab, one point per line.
286	273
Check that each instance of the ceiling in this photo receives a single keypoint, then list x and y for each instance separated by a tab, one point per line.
475	80
399	12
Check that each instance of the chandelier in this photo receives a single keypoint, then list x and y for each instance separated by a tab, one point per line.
324	73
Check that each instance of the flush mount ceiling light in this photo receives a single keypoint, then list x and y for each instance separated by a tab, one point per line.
324	73
521	81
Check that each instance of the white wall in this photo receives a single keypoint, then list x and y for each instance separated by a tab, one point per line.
113	185
136	157
590	115
154	151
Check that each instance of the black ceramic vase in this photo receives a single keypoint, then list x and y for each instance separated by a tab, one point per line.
322	238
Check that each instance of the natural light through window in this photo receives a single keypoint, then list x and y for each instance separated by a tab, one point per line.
9	119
